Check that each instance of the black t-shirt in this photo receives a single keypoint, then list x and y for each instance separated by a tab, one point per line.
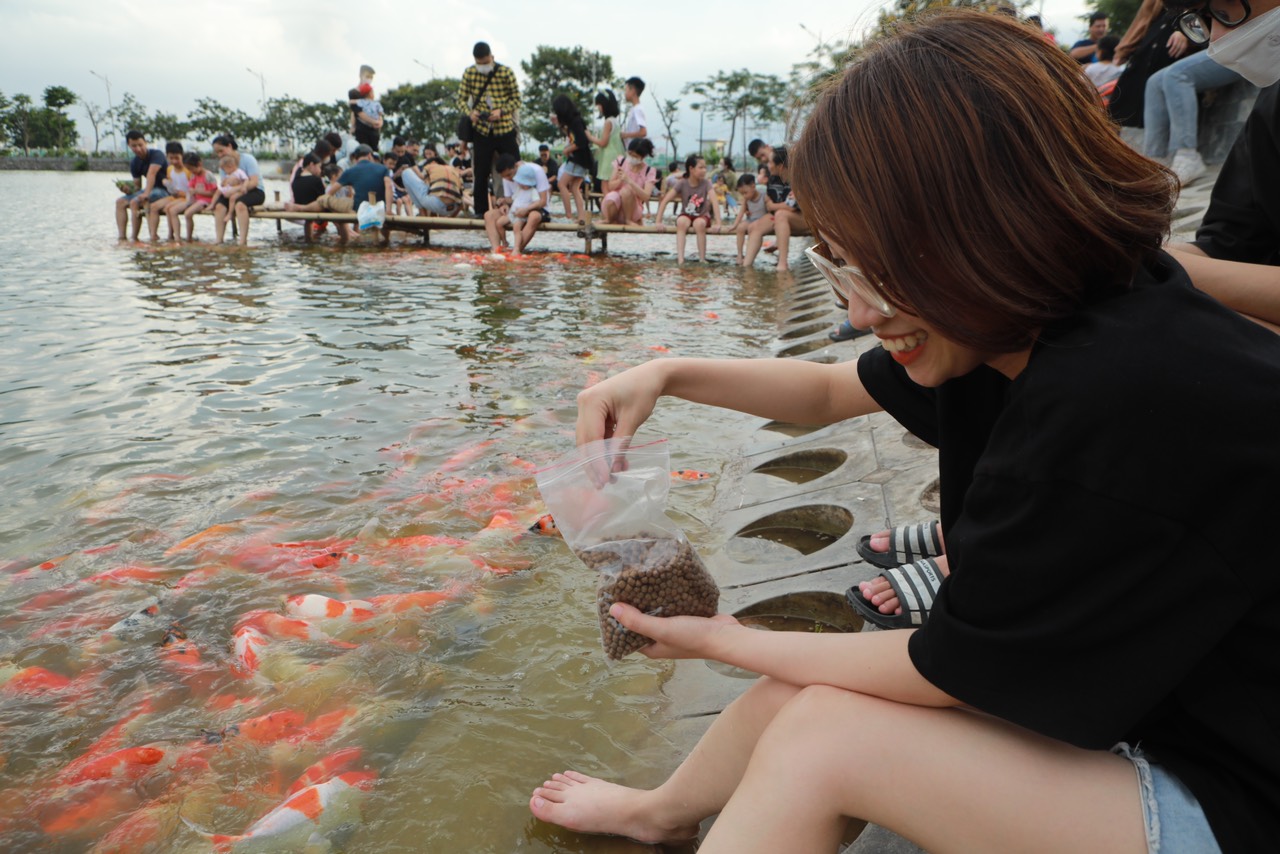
404	161
1112	578
551	167
577	131
1243	220
460	163
138	167
306	188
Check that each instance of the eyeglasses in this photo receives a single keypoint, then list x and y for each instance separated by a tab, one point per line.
845	280
1195	23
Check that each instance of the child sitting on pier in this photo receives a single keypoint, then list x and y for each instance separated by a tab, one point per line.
201	186
231	181
526	191
176	183
752	217
630	186
698	207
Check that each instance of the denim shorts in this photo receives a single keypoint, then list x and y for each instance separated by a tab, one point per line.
575	170
1174	821
154	196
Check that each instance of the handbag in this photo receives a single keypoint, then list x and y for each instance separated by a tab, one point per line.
466	132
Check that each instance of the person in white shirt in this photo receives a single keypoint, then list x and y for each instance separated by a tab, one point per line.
636	125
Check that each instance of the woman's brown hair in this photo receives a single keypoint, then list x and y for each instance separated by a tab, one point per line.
968	168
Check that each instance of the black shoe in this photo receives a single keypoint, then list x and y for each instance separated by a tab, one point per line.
846	332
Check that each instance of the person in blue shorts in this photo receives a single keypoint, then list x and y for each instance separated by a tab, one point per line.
148	167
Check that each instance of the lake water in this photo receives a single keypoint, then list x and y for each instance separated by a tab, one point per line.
306	394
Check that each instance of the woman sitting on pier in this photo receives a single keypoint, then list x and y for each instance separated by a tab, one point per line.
630	185
1098	672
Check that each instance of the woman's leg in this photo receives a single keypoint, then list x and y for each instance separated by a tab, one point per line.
682	231
947	779
492	229
699	788
611	207
1155	117
1182	81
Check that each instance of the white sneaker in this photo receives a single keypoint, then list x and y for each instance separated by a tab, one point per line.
1188	165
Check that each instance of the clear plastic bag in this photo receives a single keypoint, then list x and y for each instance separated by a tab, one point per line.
609	501
371	215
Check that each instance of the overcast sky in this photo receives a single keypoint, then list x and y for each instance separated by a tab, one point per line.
312	49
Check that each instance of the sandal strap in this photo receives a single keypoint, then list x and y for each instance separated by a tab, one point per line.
909	543
917	587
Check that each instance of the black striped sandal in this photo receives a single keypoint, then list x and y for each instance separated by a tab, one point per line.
907	544
916	585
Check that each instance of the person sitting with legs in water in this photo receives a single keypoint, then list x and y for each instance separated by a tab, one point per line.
1030	712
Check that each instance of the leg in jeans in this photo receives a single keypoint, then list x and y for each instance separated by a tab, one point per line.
1181	81
1155	118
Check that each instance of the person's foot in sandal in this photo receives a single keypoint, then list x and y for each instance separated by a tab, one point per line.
880	594
902	545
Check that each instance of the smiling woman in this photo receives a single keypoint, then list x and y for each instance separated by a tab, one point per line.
1008	249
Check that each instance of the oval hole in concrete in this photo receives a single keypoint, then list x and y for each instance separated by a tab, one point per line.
807	316
803	331
820	612
804	347
804	466
931	498
809	303
792	430
790	533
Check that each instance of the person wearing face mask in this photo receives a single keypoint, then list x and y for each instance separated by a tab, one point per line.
630	185
1236	254
490	97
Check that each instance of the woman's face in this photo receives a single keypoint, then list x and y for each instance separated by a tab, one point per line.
929	358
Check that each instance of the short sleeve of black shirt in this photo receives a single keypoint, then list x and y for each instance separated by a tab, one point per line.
1243	219
306	188
138	166
956	418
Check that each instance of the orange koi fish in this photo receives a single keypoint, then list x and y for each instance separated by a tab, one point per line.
545	526
281	627
690	475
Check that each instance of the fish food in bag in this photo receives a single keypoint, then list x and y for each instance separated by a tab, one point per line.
609	501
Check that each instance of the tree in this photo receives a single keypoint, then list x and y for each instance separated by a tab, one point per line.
668	111
19	121
167	126
210	118
1120	13
741	95
132	115
98	117
573	71
424	111
5	106
807	78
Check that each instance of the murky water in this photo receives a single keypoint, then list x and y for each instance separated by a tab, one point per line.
212	431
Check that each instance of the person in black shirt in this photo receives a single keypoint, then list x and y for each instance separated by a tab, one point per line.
307	186
548	164
1098	671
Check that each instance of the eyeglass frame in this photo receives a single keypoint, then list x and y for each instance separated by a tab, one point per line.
1195	23
845	279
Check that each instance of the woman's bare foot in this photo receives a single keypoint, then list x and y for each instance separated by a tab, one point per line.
878	591
589	805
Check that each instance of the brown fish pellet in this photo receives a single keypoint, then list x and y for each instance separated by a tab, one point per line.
660	576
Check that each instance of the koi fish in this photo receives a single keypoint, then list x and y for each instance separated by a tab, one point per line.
211	533
398	603
313	811
545	526
281	627
659	348
313	606
690	475
127	763
131	627
247	642
34	681
710	315
263	729
326	769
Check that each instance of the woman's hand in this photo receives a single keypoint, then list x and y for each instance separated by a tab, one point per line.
620	404
1177	45
675	637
